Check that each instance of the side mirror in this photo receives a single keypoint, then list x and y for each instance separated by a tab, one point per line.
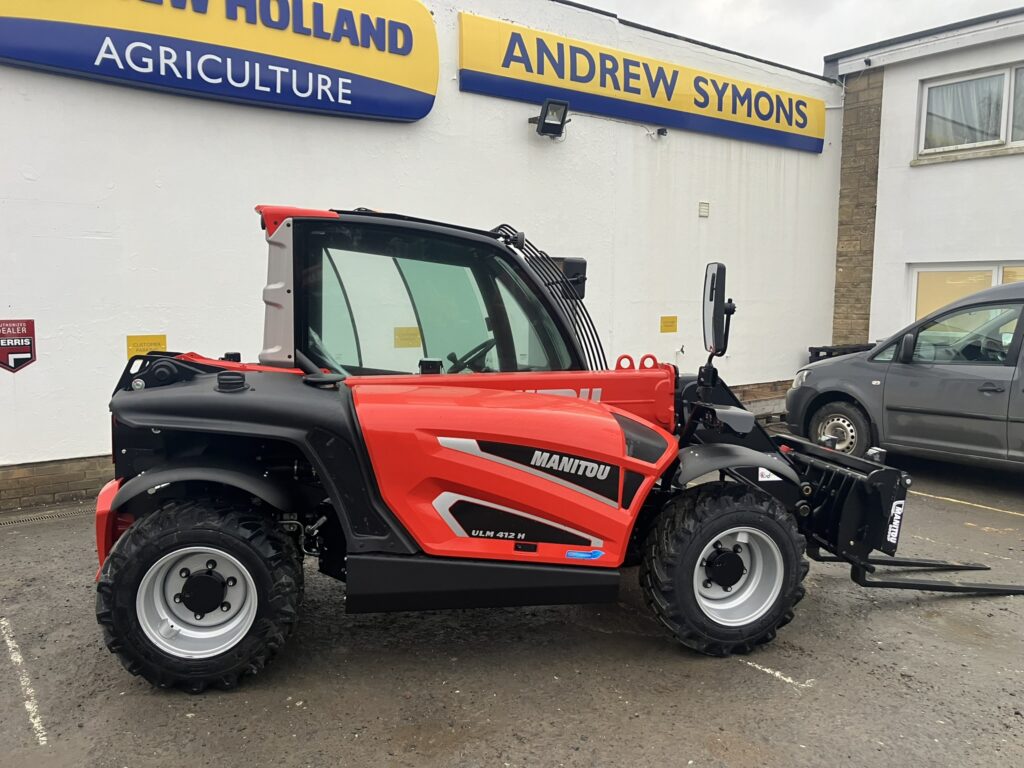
574	270
906	350
716	310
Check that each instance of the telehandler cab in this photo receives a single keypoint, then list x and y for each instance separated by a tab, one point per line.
433	420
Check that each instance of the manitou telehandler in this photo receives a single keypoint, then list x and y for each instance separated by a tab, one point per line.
433	420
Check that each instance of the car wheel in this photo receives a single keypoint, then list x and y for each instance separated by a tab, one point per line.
847	423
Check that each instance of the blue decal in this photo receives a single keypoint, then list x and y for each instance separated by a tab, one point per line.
575	554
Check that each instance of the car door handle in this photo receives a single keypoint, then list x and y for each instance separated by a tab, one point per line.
991	388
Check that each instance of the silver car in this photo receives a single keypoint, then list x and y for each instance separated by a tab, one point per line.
950	386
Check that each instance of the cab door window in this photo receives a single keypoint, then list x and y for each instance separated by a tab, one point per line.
380	299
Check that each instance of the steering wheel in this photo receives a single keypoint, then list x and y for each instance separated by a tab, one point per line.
461	363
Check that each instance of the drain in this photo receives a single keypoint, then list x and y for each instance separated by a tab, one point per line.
41	516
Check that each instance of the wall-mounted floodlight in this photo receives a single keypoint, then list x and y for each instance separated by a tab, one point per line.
554	114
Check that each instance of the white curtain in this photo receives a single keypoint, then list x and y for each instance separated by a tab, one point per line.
967	112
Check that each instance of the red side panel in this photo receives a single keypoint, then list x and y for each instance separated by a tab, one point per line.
487	474
106	519
275	215
648	393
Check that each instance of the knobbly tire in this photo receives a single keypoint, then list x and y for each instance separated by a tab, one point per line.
161	566
751	531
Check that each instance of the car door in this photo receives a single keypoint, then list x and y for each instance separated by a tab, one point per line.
1015	423
954	395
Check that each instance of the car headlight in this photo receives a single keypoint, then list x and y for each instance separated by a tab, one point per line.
800	379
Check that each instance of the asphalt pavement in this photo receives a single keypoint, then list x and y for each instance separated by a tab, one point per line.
860	678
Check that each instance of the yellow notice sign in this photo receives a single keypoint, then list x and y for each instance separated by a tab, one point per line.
407	337
140	345
669	323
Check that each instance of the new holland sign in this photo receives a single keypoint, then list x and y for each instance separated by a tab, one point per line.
342	57
514	62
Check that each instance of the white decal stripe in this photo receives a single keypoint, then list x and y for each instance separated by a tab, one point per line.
445	501
465	445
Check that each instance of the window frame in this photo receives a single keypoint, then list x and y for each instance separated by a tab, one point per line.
996	267
1005	127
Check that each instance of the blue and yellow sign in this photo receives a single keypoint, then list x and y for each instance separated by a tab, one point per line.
359	58
514	62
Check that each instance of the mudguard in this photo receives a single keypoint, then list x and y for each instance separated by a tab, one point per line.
698	460
220	471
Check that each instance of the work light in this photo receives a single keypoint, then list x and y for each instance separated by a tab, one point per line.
554	114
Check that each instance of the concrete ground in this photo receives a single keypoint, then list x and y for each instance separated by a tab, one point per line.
860	678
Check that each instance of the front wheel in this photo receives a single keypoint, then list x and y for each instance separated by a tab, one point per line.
723	568
199	593
844	421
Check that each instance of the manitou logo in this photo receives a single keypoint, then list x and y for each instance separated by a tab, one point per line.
895	521
569	465
594	395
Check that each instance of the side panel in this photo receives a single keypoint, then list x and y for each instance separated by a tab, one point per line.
647	393
486	474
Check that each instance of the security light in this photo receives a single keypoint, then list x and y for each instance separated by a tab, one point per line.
554	114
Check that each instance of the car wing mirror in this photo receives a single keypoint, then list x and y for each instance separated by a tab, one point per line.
906	351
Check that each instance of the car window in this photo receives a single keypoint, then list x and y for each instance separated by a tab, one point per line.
886	355
976	336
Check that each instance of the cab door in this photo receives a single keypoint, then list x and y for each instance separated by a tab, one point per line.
954	395
1015	423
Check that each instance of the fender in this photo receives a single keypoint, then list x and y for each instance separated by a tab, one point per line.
222	472
698	460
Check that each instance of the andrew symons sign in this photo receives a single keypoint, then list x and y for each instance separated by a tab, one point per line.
515	62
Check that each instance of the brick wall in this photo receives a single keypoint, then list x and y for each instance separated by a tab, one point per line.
52	482
769	390
858	193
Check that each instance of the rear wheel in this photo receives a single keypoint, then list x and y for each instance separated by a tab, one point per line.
723	568
844	421
199	593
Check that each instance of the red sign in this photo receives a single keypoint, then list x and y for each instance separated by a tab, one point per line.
17	344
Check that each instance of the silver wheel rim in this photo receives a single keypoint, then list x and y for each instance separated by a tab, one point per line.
757	589
173	627
842	429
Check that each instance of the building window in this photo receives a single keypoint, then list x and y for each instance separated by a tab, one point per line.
935	287
1018	105
975	112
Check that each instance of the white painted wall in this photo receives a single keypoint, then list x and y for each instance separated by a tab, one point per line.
126	211
949	213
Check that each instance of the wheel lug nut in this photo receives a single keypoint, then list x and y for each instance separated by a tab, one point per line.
225	606
184	573
200	616
707	584
737	549
727	589
211	565
177	598
703	563
744	571
232	581
717	545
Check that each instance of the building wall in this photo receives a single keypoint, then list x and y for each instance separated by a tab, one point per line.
124	211
858	189
962	211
